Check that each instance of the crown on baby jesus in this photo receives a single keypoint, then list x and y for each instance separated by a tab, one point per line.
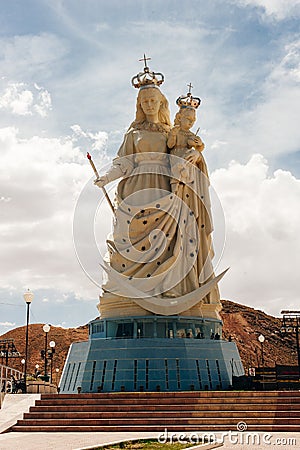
188	101
147	78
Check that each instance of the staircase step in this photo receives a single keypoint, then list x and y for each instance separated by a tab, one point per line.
185	428
166	408
176	394
166	421
164	401
158	415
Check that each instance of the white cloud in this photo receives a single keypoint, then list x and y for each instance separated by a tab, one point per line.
262	224
275	9
288	68
275	118
43	178
102	27
7	324
5	199
98	140
44	103
29	55
269	125
60	325
18	99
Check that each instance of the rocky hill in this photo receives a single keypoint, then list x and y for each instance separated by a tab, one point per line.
245	324
63	338
241	323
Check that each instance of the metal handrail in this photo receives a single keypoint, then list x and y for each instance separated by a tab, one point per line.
7	376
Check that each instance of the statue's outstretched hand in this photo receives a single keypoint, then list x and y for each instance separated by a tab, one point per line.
101	181
196	142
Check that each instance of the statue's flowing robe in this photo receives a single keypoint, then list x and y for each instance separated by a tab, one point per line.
161	239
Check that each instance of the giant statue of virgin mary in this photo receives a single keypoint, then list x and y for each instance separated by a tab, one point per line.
160	251
160	328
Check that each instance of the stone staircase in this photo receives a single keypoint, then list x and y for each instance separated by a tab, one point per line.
155	411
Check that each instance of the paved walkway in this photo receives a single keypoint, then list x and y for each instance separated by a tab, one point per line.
69	441
80	441
13	408
62	441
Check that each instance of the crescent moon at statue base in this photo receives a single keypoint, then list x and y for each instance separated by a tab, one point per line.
163	306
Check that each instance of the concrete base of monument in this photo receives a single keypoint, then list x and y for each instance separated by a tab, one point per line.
159	353
112	305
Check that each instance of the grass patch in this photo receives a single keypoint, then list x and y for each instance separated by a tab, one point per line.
145	444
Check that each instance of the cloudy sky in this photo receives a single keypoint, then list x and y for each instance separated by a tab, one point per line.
66	67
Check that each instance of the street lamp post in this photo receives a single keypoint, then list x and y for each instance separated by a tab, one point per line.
46	329
261	339
291	324
50	354
56	375
28	297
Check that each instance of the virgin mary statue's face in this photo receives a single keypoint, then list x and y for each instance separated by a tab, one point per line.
150	101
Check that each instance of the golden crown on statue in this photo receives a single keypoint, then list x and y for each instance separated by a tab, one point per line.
147	78
188	101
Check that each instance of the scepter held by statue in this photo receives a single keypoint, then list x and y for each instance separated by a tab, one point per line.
97	176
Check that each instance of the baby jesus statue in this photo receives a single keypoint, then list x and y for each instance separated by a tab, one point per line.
182	142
